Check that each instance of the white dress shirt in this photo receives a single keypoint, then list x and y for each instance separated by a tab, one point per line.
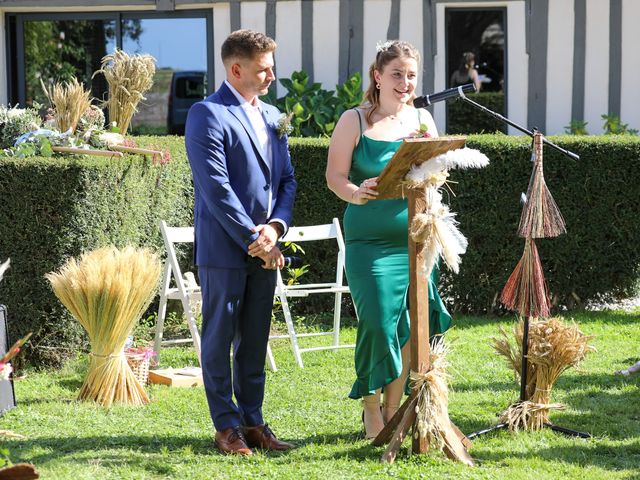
259	126
254	113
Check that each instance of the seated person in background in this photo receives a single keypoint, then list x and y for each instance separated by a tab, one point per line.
467	72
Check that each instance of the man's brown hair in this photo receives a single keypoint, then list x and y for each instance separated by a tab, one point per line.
245	44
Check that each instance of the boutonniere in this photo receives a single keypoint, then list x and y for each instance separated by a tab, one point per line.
283	126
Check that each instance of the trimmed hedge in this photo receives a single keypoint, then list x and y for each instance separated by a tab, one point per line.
53	209
599	256
463	118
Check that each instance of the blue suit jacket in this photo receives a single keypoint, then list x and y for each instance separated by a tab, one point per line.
232	180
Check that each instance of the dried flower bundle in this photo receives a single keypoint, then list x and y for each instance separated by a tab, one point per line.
129	78
437	228
541	217
69	100
106	291
526	289
554	346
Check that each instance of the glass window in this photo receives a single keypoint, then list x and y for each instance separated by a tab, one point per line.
475	46
481	33
59	50
178	45
60	46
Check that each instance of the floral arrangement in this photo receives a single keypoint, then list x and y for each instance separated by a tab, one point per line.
14	122
144	353
74	125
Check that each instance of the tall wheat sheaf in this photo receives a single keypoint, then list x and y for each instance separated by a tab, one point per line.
554	346
129	78
107	291
69	100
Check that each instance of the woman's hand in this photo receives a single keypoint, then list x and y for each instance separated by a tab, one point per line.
365	192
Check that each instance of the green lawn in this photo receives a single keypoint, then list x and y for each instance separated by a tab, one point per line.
172	437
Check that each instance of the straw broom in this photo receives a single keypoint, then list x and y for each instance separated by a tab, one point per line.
526	289
107	291
129	78
541	217
70	101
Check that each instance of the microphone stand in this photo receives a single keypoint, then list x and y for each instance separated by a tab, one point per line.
519	127
525	335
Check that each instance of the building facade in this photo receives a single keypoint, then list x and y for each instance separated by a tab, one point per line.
556	61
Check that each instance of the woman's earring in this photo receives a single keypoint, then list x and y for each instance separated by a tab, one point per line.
378	86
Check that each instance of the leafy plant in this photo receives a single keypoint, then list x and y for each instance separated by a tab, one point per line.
613	126
576	127
315	110
4	458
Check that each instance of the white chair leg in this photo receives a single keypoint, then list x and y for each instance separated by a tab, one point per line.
193	327
270	359
162	312
336	319
292	333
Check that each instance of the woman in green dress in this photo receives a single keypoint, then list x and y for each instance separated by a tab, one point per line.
377	262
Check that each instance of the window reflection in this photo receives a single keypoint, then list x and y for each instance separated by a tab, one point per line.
60	50
178	45
476	47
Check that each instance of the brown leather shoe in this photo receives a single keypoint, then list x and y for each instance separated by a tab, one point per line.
262	437
232	441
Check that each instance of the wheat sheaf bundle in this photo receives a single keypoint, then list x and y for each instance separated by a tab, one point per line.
554	346
69	100
432	411
107	290
129	78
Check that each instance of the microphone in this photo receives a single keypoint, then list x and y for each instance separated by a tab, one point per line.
293	262
455	92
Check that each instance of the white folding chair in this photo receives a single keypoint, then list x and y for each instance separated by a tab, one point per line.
336	287
184	289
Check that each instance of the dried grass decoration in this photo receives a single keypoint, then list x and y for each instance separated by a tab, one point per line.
129	78
541	217
107	291
437	227
69	101
554	346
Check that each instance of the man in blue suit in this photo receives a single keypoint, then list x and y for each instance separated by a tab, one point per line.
244	192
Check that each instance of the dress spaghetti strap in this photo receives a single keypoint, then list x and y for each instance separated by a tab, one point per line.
360	120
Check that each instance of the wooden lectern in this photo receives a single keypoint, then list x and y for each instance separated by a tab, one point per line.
415	151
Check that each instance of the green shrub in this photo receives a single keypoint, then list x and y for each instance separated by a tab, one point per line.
613	126
463	118
597	196
55	208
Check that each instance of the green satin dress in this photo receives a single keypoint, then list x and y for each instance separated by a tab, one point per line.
377	267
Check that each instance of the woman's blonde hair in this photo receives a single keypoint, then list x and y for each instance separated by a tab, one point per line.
387	52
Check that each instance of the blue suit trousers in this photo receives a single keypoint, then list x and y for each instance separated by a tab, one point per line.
236	310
